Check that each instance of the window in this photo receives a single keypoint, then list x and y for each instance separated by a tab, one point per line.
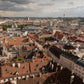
37	65
24	67
79	72
35	69
79	67
13	78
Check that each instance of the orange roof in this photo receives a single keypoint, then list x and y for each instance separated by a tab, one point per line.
16	41
37	66
1	38
29	48
11	44
0	27
44	79
37	55
43	29
60	36
9	71
80	39
15	46
45	58
34	38
7	37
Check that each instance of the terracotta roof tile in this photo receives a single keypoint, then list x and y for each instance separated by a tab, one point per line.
60	36
29	48
7	70
36	66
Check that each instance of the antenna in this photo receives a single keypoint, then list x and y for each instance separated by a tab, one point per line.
63	15
70	34
28	18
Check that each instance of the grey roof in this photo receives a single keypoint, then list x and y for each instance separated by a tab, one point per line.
80	62
70	56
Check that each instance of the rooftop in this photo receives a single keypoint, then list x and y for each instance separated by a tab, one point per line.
20	69
70	56
37	80
80	62
8	71
56	51
58	35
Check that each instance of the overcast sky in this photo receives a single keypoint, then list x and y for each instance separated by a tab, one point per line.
42	8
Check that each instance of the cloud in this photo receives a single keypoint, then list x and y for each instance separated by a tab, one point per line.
41	7
8	6
46	4
71	3
18	1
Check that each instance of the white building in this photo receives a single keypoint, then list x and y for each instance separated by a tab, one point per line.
79	68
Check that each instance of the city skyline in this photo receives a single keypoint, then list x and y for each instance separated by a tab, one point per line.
41	8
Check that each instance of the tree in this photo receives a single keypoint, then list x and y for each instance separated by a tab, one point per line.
4	28
21	26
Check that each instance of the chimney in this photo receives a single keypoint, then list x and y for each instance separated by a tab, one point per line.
40	74
50	63
57	64
18	65
72	71
52	66
72	78
17	73
83	80
56	69
33	76
13	65
61	67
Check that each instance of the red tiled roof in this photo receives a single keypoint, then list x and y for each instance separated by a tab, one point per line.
15	46
16	41
8	71
1	38
34	38
21	70
42	80
45	58
7	37
60	36
29	48
37	66
0	27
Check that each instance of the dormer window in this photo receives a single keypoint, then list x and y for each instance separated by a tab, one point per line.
27	71
12	73
35	69
16	73
7	70
37	65
24	67
38	82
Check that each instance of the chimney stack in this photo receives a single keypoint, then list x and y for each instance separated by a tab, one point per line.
18	65
13	65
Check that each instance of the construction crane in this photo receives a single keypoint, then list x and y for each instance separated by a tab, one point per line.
70	34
